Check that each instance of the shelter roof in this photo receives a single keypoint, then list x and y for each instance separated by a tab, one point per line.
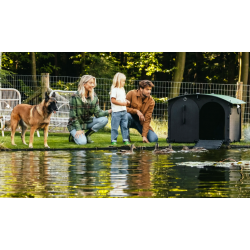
223	97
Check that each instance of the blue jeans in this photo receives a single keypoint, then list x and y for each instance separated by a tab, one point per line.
133	122
96	124
119	119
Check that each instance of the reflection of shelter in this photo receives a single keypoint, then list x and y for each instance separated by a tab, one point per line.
204	117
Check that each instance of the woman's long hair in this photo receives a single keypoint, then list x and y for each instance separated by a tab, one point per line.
81	88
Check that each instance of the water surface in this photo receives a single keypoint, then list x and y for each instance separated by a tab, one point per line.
107	174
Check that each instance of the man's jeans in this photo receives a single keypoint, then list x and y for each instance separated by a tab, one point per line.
133	122
119	119
95	125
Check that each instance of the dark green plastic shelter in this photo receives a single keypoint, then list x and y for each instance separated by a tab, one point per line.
195	117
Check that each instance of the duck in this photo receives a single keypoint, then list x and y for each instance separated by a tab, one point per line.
168	150
197	150
123	151
185	148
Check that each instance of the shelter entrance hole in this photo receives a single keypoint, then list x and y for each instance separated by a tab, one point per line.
212	122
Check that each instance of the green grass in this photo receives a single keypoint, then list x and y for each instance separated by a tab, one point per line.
101	139
60	141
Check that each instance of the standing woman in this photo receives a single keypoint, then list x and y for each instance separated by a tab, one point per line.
83	105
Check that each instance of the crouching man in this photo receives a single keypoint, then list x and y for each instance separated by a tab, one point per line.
140	110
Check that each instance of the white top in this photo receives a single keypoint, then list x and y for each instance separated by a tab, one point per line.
120	95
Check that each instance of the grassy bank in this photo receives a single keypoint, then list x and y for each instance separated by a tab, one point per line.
60	141
101	140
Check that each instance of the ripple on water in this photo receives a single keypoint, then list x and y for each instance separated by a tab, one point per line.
142	174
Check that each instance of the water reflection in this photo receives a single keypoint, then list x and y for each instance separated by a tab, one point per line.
107	174
119	174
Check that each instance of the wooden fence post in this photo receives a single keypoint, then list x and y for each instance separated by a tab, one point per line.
239	95
239	90
44	83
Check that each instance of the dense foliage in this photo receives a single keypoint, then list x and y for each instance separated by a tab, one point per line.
216	67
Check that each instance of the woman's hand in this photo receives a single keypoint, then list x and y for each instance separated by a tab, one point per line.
79	133
110	111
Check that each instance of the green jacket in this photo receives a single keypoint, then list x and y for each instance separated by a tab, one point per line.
81	113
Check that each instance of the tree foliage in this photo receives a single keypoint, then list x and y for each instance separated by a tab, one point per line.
214	67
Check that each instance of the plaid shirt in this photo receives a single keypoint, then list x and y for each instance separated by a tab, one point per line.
81	113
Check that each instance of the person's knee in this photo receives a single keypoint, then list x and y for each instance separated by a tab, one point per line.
102	123
104	120
129	117
129	120
81	140
153	137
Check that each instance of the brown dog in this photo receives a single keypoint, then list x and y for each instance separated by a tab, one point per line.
33	116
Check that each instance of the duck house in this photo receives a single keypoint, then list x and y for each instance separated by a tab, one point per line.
208	118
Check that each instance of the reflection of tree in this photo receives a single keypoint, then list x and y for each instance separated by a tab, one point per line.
34	174
24	178
160	176
213	182
89	174
239	178
139	178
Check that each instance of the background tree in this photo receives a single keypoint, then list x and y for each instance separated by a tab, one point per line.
33	68
178	74
243	77
207	67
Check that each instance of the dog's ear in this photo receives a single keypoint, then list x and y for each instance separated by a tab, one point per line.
54	94
46	97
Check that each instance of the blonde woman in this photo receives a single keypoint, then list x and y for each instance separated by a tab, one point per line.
119	111
83	105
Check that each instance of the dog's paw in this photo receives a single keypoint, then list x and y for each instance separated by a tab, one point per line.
14	144
46	146
31	146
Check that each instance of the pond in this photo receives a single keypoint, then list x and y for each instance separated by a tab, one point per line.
107	174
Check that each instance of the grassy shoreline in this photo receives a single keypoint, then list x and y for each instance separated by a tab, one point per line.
101	139
60	141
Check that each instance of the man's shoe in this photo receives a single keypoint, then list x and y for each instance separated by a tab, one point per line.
127	143
114	143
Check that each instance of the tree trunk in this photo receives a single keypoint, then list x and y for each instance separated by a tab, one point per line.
178	74
33	69
0	60
122	58
199	64
240	65
56	64
231	68
244	79
83	63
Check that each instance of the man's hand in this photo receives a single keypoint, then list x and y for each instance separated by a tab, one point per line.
110	111
144	139
79	133
141	116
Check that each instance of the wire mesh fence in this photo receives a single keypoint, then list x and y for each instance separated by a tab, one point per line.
29	85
